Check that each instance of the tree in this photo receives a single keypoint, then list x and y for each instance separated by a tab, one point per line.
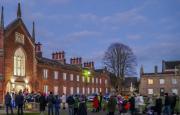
120	62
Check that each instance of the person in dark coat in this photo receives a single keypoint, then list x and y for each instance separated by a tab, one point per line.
57	104
173	102
111	105
167	105
42	103
82	106
132	105
158	105
8	103
20	101
70	101
100	101
50	101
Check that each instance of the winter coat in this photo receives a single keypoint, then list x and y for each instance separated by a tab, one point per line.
42	103
95	103
158	105
8	99
50	100
82	108
19	100
132	103
57	102
112	104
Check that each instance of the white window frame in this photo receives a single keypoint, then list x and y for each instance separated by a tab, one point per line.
64	76
161	81
83	79
45	73
174	81
71	90
71	77
96	80
92	89
46	89
150	91
105	81
174	90
77	90
56	74
100	81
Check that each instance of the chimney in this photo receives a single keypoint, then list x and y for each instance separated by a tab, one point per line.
38	49
156	69
76	61
59	56
89	65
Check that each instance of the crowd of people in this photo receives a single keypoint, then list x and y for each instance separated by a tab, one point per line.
77	104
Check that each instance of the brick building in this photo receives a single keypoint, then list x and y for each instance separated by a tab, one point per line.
22	65
161	82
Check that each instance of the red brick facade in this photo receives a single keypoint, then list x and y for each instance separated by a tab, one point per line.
34	78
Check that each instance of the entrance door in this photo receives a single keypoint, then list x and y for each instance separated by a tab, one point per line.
19	87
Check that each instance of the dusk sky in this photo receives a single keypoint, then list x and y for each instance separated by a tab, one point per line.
86	28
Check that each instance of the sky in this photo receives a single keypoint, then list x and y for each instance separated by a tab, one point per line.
86	28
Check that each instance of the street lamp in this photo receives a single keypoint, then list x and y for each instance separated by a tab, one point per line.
86	73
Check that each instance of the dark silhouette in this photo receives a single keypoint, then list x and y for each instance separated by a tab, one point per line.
20	101
50	102
8	103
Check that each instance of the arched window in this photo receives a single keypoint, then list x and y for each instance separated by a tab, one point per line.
19	63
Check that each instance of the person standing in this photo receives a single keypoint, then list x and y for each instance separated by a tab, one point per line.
82	106
111	105
167	105
100	101
57	104
95	104
173	103
20	101
50	101
42	103
120	102
70	101
63	98
132	105
76	105
158	105
8	104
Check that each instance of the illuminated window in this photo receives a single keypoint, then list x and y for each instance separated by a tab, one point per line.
45	73
83	79
71	90
100	81
92	90
161	81
174	81
64	76
83	90
97	90
55	74
71	77
77	77
106	81
150	91
175	91
96	80
88	79
56	90
19	62
77	90
150	81
92	80
46	89
88	90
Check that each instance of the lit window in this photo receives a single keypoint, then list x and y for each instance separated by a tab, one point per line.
19	62
71	77
88	79
55	74
97	90
92	80
92	90
106	81
77	77
45	73
64	90
55	90
174	81
77	90
150	91
96	80
83	90
64	76
46	89
100	89
88	90
106	90
161	81
175	91
71	90
150	81
100	81
83	79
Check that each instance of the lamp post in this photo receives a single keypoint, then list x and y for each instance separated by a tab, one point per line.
86	73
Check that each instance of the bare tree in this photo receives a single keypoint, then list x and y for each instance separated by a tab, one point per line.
120	61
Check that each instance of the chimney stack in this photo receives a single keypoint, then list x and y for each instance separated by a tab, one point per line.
156	69
89	65
76	61
38	49
59	56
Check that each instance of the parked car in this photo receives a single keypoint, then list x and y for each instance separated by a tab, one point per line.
106	97
91	97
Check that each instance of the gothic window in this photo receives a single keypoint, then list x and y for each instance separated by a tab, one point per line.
19	63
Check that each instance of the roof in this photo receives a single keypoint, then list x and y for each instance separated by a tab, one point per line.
43	60
129	80
171	64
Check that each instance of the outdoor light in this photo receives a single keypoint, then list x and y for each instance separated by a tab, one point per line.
12	80
26	81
